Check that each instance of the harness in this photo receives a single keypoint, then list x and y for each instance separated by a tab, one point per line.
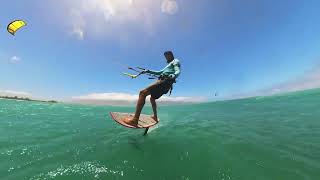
171	81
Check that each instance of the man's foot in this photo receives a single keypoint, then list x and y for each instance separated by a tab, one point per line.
155	118
131	121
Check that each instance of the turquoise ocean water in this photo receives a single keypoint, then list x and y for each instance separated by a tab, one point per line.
271	138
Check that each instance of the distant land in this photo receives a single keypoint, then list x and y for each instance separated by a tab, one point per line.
25	99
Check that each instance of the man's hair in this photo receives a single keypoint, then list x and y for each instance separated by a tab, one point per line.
168	53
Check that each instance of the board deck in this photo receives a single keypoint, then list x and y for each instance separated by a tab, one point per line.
145	121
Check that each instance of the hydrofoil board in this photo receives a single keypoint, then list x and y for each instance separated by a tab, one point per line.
145	121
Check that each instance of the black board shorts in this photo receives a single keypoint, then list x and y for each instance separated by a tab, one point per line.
159	88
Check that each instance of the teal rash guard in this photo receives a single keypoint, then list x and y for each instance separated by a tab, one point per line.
172	68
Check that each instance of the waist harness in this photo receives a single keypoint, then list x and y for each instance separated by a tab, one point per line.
169	80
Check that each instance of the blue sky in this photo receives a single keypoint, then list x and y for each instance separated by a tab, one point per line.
80	47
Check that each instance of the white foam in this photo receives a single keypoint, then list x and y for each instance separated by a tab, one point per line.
82	168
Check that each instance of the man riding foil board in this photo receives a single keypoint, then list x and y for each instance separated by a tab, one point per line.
163	85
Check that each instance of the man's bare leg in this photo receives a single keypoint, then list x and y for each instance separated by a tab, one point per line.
141	101
154	108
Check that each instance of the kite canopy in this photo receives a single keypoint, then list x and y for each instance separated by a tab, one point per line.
14	26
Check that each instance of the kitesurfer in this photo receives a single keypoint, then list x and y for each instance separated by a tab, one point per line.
163	85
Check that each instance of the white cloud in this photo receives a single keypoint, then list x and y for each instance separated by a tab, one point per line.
308	80
184	99
107	96
108	18
78	24
14	93
79	33
124	99
169	6
14	59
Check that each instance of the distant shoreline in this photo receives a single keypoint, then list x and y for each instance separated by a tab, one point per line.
25	99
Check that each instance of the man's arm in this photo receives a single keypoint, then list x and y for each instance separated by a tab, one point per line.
177	70
155	72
